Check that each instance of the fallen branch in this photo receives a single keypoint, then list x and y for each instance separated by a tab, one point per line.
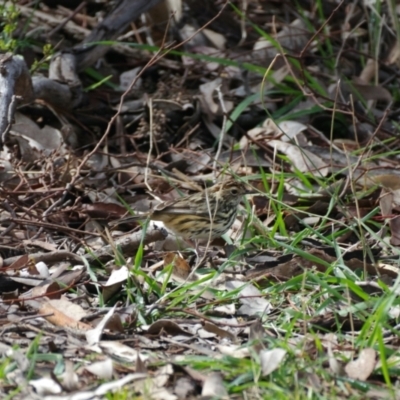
128	245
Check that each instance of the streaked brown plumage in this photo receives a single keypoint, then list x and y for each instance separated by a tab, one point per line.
204	215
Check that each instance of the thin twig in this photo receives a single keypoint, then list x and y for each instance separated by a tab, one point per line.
150	106
223	128
72	15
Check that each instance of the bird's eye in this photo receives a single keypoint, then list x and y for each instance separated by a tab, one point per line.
234	191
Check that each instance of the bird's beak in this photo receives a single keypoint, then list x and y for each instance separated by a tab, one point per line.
250	190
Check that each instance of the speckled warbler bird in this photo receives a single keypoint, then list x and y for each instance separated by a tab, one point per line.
204	215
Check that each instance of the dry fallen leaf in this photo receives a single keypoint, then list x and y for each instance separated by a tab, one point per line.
362	367
180	267
117	278
253	302
271	360
57	316
214	387
102	369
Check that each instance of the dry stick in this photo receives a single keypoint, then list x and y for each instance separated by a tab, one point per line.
223	128
151	127
60	202
243	22
48	225
72	15
129	245
52	257
333	124
11	226
10	116
187	135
